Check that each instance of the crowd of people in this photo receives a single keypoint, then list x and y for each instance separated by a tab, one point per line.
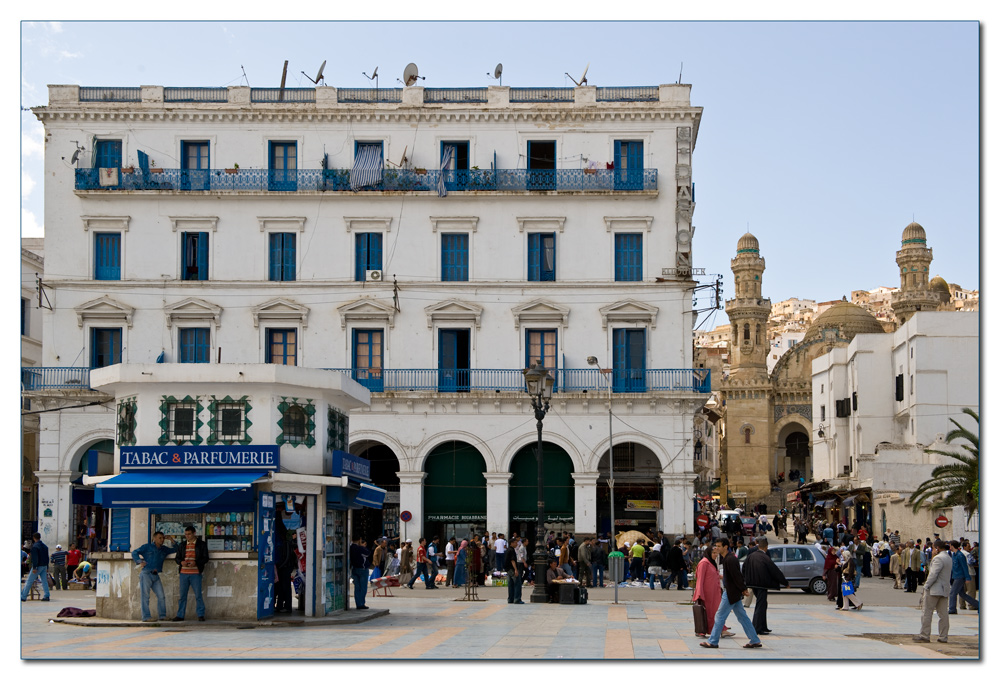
55	570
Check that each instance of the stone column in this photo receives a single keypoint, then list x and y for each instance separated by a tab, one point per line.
498	502
585	502
55	507
678	494
411	498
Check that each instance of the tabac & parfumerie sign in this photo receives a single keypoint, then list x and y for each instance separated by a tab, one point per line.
352	467
199	458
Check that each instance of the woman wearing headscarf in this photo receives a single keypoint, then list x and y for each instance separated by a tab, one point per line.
830	573
849	570
406	562
460	565
708	588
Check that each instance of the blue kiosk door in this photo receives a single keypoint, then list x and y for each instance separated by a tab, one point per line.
265	556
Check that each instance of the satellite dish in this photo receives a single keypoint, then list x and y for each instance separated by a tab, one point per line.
76	155
373	76
497	73
410	74
583	78
319	74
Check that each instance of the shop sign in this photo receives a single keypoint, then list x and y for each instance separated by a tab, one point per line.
455	518
199	458
548	518
626	522
391	498
642	505
793	496
352	467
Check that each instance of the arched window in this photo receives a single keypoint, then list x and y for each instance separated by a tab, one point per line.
746	332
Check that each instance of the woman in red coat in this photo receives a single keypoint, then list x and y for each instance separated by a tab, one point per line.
708	588
830	573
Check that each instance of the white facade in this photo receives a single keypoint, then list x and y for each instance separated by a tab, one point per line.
880	444
498	311
32	264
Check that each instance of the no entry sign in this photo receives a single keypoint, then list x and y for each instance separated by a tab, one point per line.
941	521
701	521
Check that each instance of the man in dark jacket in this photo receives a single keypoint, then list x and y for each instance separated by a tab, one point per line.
284	564
674	562
761	574
358	555
733	592
192	556
39	568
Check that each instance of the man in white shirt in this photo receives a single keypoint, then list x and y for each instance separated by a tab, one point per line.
499	547
449	560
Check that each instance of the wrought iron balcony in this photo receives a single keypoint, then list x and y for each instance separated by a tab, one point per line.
59	378
568	380
257	179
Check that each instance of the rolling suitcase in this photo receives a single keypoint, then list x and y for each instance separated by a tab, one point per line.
700	618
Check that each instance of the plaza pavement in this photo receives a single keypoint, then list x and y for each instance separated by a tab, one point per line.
429	625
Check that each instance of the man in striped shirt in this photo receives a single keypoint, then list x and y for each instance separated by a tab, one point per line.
58	562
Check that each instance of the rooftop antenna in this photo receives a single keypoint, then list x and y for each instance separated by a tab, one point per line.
410	75
498	74
679	75
281	88
245	75
373	76
583	78
319	74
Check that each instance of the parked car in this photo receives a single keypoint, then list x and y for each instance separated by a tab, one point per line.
802	565
748	525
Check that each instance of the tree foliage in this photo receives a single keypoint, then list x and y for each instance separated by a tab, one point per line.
955	483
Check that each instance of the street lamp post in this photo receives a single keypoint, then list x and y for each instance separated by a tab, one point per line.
539	384
611	461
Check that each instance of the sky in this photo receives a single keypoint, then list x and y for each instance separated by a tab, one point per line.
823	139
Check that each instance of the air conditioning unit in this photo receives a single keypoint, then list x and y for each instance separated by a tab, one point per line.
373	275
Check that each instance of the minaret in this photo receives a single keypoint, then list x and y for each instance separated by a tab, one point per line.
748	312
914	260
746	460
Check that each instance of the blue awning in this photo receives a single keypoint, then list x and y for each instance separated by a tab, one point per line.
370	496
171	489
849	501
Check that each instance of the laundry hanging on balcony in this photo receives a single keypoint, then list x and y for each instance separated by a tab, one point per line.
449	152
367	170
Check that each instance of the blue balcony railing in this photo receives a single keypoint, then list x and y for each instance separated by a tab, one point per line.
568	380
259	179
36	379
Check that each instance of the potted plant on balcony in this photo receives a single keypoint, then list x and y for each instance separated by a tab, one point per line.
420	171
153	168
129	169
233	170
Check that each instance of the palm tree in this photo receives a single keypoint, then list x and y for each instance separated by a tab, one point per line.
955	483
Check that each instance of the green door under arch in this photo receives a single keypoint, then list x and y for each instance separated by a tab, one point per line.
558	483
455	488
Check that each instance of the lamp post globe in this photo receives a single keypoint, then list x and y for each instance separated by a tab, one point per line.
539	383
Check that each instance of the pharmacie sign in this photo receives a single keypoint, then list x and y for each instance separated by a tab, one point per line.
199	458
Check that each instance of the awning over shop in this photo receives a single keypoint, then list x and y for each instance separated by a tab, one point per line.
170	489
370	496
848	502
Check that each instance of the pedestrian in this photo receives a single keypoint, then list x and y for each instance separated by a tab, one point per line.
655	568
846	589
449	559
423	566
284	564
192	556
760	574
734	590
864	552
959	575
896	566
358	555
461	565
514	575
150	557
830	573
527	573
599	556
674	563
378	558
884	557
39	568
583	562
708	588
432	562
972	585
73	558
911	566
57	560
936	594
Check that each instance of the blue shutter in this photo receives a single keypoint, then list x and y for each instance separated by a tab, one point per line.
121	525
107	257
108	153
143	160
375	256
628	257
454	257
534	257
547	254
360	256
288	261
629	373
202	255
202	347
274	257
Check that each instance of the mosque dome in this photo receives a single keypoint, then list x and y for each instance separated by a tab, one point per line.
847	317
940	286
748	244
914	233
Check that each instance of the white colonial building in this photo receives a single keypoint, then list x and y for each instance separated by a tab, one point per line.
881	401
32	250
428	243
